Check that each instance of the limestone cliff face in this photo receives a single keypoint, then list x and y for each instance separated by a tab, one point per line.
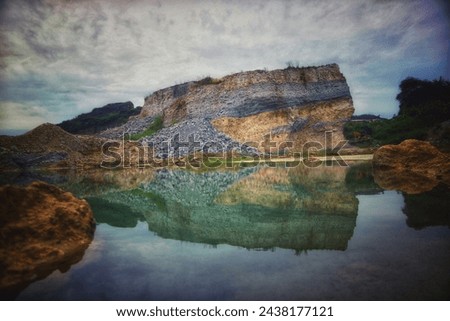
295	104
248	93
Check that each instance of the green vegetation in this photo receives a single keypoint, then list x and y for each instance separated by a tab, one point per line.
423	105
428	101
382	132
112	213
156	125
154	198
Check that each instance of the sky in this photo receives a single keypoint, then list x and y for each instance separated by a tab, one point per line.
62	58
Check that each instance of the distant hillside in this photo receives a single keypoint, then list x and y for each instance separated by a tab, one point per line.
100	119
366	117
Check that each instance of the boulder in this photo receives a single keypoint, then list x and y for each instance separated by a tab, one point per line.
413	166
42	228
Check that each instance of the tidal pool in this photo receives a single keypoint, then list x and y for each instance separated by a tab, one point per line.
258	233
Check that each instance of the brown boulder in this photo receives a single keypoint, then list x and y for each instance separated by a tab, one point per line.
413	166
42	228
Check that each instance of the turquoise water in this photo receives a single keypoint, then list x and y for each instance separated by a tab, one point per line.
262	233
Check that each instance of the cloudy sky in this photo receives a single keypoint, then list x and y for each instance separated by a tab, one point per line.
61	58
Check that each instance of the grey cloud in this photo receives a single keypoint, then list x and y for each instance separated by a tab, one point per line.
73	56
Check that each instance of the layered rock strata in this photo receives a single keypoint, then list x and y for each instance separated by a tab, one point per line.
294	104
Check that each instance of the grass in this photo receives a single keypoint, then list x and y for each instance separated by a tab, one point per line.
155	126
208	81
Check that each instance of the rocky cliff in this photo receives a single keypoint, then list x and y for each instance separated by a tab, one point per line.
293	104
236	112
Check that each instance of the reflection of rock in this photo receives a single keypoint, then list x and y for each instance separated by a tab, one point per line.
99	182
428	209
413	166
359	179
299	209
103	189
192	188
84	183
404	180
312	190
113	213
263	186
42	229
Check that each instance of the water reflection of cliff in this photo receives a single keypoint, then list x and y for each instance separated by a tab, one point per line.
360	180
258	208
105	190
91	183
255	208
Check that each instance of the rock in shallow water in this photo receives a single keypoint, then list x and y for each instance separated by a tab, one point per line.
42	228
413	166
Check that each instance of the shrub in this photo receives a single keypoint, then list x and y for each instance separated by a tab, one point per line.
208	81
155	126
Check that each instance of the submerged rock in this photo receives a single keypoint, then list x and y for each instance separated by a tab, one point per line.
413	166
42	228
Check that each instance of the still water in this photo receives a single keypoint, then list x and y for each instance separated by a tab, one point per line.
258	233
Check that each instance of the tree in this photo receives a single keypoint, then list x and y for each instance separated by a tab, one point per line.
428	101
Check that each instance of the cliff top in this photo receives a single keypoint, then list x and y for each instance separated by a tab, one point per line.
245	78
